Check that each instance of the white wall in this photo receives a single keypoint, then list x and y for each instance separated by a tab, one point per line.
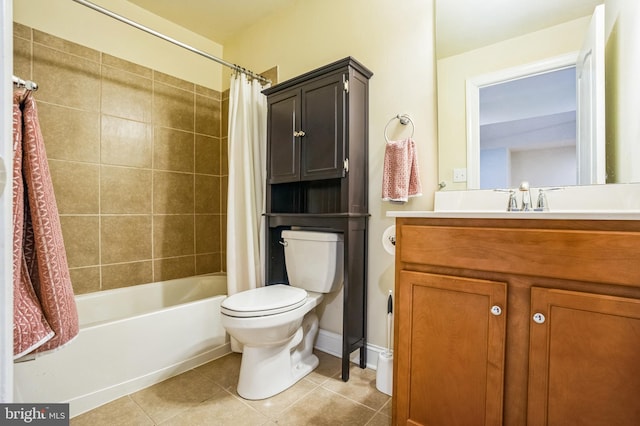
393	39
544	167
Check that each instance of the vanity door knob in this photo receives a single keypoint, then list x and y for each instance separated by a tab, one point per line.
298	134
496	310
539	318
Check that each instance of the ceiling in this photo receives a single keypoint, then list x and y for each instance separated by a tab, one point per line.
461	24
217	20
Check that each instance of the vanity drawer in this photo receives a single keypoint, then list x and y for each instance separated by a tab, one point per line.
585	255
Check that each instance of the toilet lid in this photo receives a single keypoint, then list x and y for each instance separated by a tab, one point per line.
268	300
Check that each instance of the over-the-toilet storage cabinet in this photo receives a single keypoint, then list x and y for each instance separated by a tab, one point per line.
517	322
317	176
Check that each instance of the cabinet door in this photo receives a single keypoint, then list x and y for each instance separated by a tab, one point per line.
283	164
450	350
584	361
322	146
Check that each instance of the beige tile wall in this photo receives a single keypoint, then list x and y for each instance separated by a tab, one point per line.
138	163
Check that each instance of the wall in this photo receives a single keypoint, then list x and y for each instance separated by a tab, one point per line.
455	70
137	162
394	40
80	24
622	56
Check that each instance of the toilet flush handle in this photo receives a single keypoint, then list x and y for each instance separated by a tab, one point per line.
284	243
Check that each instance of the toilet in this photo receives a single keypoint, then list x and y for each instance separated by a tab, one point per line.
277	324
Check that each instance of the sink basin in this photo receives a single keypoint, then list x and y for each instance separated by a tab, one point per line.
589	199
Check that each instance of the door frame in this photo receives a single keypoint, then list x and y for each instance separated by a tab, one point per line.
473	86
6	205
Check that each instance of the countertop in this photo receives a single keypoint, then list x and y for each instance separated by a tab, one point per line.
546	215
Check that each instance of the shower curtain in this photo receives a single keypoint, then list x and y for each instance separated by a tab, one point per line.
246	191
44	309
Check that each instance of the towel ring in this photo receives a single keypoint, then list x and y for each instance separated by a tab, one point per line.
404	120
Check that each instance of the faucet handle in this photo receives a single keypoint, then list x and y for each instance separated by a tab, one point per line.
512	205
526	196
542	203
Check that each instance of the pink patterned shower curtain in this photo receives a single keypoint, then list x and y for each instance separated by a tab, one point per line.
45	314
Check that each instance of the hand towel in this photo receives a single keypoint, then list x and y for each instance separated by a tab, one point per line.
45	313
400	177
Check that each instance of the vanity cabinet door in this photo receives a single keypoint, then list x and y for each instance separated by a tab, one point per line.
584	361
450	343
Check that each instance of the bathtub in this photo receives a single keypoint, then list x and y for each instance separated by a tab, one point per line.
130	338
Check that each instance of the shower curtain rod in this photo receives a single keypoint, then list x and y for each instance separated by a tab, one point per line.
120	18
27	84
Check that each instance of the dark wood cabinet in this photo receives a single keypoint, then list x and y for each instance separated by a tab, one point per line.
317	177
562	349
306	131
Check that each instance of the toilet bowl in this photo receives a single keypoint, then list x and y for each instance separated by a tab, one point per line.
277	324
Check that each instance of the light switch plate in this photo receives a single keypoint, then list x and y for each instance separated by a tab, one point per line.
460	175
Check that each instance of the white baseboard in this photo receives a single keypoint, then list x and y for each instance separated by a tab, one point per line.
331	343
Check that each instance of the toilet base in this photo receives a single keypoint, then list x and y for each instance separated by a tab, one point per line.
267	371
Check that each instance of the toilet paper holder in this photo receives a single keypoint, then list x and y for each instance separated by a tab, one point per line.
389	240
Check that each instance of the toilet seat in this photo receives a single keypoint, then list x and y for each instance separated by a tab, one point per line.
263	301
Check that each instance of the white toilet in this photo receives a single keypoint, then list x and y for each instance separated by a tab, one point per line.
277	324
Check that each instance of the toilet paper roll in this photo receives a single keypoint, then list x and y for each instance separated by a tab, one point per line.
389	240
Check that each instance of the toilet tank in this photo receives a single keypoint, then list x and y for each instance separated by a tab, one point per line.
314	260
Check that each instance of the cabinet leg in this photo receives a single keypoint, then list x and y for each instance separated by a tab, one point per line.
363	357
345	367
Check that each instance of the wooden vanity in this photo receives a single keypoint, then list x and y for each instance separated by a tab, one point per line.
516	321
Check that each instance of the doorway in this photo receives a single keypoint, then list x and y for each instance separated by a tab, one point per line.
528	130
509	130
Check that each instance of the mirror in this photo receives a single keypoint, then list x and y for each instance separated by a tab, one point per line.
479	38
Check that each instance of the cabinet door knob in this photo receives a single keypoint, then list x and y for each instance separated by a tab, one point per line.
298	134
539	318
496	310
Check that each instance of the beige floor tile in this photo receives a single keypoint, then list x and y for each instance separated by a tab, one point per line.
386	408
273	406
172	396
380	420
207	395
323	407
121	412
329	366
361	387
221	410
223	371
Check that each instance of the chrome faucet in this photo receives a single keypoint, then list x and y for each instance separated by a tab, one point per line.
512	205
542	204
526	196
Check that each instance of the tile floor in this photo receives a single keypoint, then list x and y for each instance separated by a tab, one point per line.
207	395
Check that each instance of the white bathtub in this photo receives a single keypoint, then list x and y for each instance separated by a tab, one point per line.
129	338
